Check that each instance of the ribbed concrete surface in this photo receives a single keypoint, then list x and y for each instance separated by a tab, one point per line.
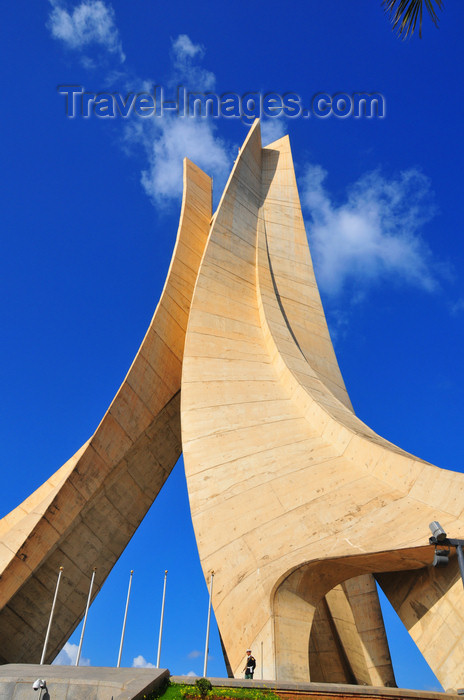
85	514
293	498
78	683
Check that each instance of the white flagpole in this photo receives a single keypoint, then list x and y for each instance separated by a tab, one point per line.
125	618
161	621
51	617
207	624
85	617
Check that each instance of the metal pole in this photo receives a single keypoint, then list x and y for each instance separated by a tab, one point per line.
51	617
461	561
85	617
161	621
125	618
207	624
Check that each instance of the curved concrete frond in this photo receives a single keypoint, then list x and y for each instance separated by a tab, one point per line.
297	505
86	513
293	498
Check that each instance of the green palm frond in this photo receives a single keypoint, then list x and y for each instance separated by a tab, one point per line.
404	14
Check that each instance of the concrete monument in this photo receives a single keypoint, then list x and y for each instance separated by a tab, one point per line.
297	505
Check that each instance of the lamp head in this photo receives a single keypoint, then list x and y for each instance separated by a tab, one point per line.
437	531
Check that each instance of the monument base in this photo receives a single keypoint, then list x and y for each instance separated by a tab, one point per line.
78	682
326	691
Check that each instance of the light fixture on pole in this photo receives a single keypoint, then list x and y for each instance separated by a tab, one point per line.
125	618
205	665
440	539
85	617
161	621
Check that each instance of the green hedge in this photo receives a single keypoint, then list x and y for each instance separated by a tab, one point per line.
177	691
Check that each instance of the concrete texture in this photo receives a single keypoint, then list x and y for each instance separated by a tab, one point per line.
296	504
86	513
81	683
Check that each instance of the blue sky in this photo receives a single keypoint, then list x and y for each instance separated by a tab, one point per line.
89	216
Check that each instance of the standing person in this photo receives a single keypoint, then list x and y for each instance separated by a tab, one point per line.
250	665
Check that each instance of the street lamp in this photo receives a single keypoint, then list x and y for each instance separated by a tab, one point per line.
440	539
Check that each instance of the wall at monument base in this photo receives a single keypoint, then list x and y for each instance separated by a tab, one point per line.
77	683
84	516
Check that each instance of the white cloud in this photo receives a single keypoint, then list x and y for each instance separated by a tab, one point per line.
140	662
90	23
191	75
457	307
194	654
271	130
68	655
192	673
184	47
373	234
169	142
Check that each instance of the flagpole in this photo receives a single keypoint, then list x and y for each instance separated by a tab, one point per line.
51	617
125	618
207	624
161	621
85	617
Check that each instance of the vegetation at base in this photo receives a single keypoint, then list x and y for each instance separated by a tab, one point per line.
204	686
204	690
161	691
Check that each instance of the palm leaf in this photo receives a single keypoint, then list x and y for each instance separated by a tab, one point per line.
404	14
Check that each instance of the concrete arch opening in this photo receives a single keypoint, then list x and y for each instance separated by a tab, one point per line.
323	634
